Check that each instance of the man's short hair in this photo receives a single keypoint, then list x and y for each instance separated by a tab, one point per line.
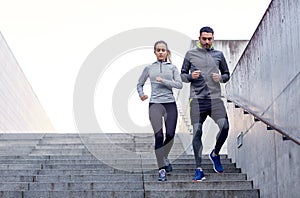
206	29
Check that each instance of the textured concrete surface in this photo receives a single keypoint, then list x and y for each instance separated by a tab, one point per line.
20	109
266	81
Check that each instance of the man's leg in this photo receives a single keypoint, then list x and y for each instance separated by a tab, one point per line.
197	143
223	125
197	120
219	115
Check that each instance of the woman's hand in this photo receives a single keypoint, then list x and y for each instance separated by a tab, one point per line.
159	79
144	97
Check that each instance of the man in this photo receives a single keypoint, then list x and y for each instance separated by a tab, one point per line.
205	68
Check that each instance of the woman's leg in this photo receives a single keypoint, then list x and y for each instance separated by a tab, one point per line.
170	123
156	112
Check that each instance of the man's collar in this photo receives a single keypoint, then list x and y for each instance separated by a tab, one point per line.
198	44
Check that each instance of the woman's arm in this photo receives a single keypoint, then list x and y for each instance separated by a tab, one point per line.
141	83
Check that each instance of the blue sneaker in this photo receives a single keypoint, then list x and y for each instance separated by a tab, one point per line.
162	176
216	162
168	166
199	175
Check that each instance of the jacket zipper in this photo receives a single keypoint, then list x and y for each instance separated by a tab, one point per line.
160	71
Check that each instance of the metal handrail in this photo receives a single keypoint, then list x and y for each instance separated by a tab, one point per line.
269	124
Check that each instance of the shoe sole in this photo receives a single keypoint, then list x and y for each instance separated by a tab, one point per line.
212	161
162	180
196	180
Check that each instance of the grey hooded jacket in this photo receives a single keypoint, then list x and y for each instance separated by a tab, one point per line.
208	62
161	92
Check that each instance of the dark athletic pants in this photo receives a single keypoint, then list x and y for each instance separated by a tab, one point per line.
200	109
158	111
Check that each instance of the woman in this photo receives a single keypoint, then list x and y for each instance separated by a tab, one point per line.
163	77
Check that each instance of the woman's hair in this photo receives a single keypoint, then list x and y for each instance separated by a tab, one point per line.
169	56
168	51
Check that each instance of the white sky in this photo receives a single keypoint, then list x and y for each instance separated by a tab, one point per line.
51	39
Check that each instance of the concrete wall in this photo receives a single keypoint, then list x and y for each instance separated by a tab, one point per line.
20	110
266	81
232	50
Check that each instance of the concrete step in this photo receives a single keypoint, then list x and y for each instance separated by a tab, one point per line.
102	171
136	136
108	165
146	162
136	184
24	157
192	166
188	176
192	171
20	166
120	177
17	142
19	172
89	156
133	194
107	185
105	168
120	140
103	165
124	170
201	193
104	146
73	178
72	194
62	140
114	154
21	136
127	185
205	185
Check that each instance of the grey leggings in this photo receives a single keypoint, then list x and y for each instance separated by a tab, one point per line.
197	142
158	111
200	109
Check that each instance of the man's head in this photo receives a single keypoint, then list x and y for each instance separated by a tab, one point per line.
206	37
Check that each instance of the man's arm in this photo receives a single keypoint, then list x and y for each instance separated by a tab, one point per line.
223	67
185	70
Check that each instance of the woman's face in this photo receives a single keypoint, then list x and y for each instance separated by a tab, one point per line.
161	51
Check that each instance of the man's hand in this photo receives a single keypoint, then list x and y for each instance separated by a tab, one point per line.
216	77
144	97
196	74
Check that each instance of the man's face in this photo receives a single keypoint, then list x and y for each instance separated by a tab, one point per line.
206	39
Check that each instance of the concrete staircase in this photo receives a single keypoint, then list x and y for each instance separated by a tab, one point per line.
106	165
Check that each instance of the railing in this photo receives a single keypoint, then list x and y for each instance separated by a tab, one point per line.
270	125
